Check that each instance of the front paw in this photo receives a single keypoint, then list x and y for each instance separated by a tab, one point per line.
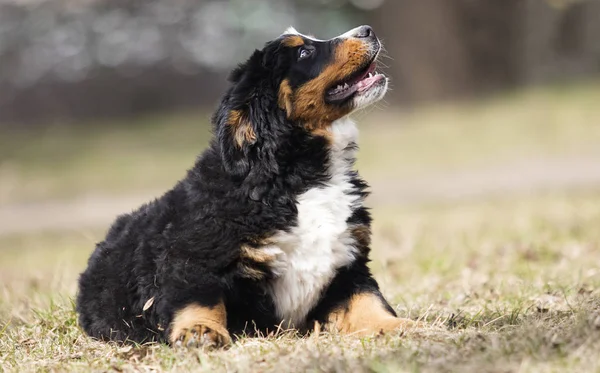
365	314
202	336
398	323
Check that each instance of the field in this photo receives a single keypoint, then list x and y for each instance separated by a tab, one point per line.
487	219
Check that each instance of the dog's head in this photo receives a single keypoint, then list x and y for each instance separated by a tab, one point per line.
327	79
297	80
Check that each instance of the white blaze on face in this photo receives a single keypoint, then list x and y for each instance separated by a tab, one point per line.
291	31
348	34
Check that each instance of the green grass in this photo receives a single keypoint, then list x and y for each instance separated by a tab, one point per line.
509	283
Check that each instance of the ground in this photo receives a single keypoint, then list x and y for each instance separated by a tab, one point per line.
486	227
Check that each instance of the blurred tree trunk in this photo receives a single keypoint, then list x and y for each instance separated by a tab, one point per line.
560	40
444	48
440	49
423	39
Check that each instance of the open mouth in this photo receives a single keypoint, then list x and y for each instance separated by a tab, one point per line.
359	82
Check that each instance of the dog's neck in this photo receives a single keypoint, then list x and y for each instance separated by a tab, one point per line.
345	137
320	241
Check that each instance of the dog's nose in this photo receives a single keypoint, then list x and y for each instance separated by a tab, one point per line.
364	32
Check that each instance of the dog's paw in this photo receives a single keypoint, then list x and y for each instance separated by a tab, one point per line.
398	323
365	315
387	325
202	336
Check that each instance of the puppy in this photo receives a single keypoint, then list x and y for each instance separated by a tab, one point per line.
268	228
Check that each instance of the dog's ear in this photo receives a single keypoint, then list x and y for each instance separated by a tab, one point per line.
236	136
245	119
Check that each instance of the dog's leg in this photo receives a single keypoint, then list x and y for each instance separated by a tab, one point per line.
364	314
192	307
200	326
353	305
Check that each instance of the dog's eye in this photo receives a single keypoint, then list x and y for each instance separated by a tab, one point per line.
304	53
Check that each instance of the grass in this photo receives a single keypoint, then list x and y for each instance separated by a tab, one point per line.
507	284
510	285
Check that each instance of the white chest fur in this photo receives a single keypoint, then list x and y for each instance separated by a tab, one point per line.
321	242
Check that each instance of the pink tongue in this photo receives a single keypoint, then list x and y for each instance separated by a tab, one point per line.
367	82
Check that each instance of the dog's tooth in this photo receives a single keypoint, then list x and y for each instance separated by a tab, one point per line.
370	75
346	86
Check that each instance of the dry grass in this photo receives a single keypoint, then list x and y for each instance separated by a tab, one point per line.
509	284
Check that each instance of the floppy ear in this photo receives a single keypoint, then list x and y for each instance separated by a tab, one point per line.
238	120
249	118
236	135
285	98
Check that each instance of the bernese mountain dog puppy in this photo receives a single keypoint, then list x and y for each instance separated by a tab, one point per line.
268	229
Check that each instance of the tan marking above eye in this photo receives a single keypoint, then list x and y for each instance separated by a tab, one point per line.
293	41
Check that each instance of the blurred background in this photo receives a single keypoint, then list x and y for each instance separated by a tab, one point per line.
91	59
105	103
483	159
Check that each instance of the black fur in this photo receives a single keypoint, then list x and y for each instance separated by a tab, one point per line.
184	247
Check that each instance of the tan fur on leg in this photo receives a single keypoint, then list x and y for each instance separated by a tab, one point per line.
366	315
198	326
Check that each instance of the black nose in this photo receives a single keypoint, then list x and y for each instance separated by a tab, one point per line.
364	32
